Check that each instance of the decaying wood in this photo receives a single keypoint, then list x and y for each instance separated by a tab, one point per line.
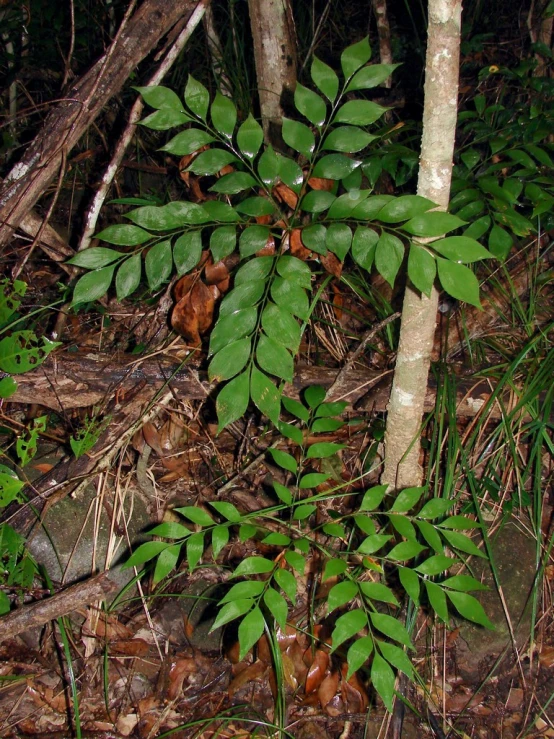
66	601
67	122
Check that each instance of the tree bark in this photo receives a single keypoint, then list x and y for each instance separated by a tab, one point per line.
67	122
406	406
383	31
275	56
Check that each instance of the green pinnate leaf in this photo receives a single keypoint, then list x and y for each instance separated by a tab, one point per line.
365	524
354	57
255	269
403	526
223	212
146	552
296	561
90	287
124	234
253	239
276	540
358	654
170	530
359	113
314	395
435	508
231	184
325	79
255	206
94	257
314	238
227	510
220	538
461	249
325	425
269	166
23	351
230	360
244	295
187	142
161	98
247	531
296	409
347	139
347	626
389	254
371	76
341	593
334	567
232	327
345	204
253	566
459	522
500	242
437	600
197	97
463	583
404	208
231	611
232	400
266	397
8	387
291	173
283	493
435	565
312	480
277	606
274	358
128	276
224	115
410	582
196	515
335	167
280	326
470	608
422	268
364	244
310	105
299	137
290	296
463	543
391	627
323	449
373	543
338	239
211	162
316	201
373	498
291	432
284	460
405	551
166	562
287	582
397	657
158	264
162	120
242	590
383	679
250	137
435	223
431	536
378	591
459	281
406	500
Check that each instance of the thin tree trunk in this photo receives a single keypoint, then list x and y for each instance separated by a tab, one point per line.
67	122
405	410
275	55
383	31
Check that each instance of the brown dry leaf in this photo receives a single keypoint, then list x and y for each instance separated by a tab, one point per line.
203	302
178	672
216	273
43	468
328	689
319	183
264	651
354	694
283	193
316	671
297	248
546	657
331	264
125	725
227	169
252	672
152	438
110	628
289	671
337	300
335	707
184	285
269	248
286	638
132	647
296	655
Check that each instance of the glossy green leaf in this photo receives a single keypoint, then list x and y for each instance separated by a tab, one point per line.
197	97
345	204
188	142
365	523
291	297
166	562
181	213
437	600
299	137
295	270
94	257
314	237
253	566
253	239
460	522
280	326
291	173
378	591
232	400
23	351
435	565
334	567
211	161
461	249
391	627
314	395
359	113
255	206
463	583
268	166
266	397
358	654
283	493
217	211
232	327
334	408
196	515
397	657
335	529
323	449
247	531
355	56
371	76
373	543
284	460
383	679
277	606
500	242
296	561
241	590
422	268
250	630
407	499
335	167
220	539
128	276
274	358
224	115
255	269
302	512
231	611
287	582
316	201
310	105
145	552
312	480
223	241
459	281
8	387
405	551
341	593
370	206
250	137
296	408
275	539
430	535
228	510
389	254
241	296
403	526
470	608
435	223
162	120
158	264
347	139
230	360
364	244
124	234
232	183
478	228
404	208
325	79
347	626
435	507
410	582
161	98
90	287
463	543
373	497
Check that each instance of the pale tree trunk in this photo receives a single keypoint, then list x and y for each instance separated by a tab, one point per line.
65	124
275	56
383	31
402	439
